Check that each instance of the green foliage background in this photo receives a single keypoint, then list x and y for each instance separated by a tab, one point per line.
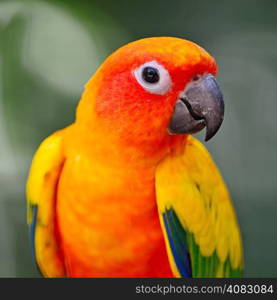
49	49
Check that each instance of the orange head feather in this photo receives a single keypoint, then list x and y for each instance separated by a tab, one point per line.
118	106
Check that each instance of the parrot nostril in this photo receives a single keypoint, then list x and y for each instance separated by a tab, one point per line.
196	77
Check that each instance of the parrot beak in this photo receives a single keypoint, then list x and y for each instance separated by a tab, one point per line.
200	105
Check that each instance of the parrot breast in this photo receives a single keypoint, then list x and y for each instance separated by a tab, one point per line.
108	219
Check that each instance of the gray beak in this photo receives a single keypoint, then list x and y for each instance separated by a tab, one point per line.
200	105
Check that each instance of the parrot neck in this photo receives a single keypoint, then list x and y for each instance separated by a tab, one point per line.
105	147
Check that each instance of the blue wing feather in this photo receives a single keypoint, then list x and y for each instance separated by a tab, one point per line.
32	228
178	242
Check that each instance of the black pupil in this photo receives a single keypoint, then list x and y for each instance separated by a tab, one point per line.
150	75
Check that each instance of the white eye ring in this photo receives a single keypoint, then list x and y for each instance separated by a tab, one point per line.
161	86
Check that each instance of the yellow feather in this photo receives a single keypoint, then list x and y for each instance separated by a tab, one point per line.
191	184
41	189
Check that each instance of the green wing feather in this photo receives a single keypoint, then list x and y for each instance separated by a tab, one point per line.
201	266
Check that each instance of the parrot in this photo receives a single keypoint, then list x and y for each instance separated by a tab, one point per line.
126	190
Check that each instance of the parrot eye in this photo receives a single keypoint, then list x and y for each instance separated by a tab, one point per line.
150	75
153	77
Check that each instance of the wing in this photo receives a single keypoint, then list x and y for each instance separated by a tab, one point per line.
41	196
198	221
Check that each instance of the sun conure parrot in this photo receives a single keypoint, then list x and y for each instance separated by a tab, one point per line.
126	191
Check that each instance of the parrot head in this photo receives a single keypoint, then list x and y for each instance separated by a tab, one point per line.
153	91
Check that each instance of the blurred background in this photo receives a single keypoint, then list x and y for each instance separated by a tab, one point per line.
49	49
